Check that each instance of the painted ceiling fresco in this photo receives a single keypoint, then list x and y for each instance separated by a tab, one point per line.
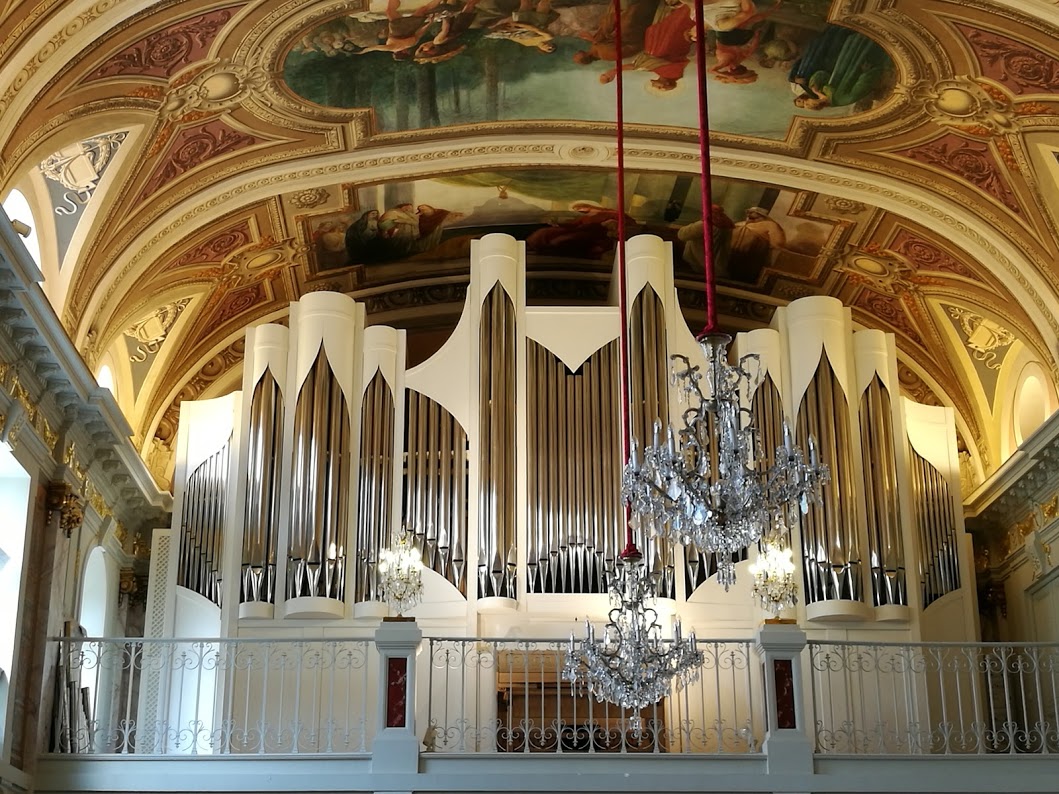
397	230
436	63
200	165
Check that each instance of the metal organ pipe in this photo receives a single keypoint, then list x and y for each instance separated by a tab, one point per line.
376	484
320	475
202	525
435	485
496	525
830	535
878	454
939	568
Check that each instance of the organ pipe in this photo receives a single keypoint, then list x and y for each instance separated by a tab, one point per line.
202	526
319	506
261	511
496	461
573	448
935	519
649	404
375	488
830	536
435	486
879	465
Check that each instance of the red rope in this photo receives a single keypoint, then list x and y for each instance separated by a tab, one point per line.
623	337
704	158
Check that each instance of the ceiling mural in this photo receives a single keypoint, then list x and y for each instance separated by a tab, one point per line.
393	231
431	63
895	154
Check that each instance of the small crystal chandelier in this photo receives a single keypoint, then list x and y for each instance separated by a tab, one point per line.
774	587
401	575
630	664
709	484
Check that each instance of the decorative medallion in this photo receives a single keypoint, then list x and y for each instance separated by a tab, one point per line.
149	333
984	337
961	102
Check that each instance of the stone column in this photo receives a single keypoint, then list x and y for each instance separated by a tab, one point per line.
787	744
396	746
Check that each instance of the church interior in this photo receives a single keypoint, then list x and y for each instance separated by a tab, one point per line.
296	292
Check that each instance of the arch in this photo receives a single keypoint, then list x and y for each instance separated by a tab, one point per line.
18	208
96	595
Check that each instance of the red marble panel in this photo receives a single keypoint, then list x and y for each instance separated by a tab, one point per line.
165	52
971	161
396	691
786	713
1017	66
193	146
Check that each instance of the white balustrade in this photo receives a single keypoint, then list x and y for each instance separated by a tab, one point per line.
508	696
215	696
920	699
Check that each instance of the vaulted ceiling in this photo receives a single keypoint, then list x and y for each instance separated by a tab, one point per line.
196	165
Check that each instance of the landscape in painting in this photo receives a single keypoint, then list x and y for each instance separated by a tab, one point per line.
434	63
565	217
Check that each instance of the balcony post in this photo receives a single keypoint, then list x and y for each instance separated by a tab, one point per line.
396	746
787	745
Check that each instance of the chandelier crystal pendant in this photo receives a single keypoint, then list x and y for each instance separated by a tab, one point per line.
401	575
630	664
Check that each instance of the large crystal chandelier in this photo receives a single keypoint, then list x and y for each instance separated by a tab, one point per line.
401	575
709	483
630	664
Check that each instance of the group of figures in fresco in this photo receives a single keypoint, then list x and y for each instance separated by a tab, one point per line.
753	226
826	65
429	63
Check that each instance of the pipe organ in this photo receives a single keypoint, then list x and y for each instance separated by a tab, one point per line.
500	455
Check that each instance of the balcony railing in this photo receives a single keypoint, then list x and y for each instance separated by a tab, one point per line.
165	697
501	696
916	699
508	696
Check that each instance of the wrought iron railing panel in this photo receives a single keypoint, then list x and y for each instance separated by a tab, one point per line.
921	699
209	697
508	696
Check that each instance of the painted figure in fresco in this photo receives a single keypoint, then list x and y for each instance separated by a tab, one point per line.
446	44
402	231
753	241
666	50
402	34
590	235
635	19
839	67
691	236
726	15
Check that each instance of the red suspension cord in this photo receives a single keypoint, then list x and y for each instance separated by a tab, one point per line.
630	550
704	158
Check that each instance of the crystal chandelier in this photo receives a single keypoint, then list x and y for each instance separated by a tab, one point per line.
401	575
708	484
630	664
774	587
